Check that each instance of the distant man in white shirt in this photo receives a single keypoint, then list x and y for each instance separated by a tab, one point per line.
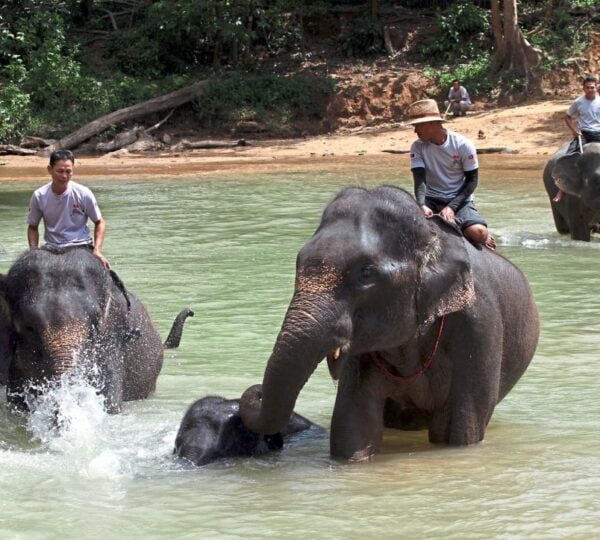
65	207
444	167
586	110
458	99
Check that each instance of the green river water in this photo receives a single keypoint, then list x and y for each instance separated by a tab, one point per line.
226	245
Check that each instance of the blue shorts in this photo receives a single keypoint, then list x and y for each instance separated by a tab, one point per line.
466	215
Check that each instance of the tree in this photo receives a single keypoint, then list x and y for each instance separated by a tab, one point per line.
513	53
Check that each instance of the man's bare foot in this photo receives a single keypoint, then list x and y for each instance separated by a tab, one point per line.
490	243
558	196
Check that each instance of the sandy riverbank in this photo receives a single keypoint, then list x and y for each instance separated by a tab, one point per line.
533	129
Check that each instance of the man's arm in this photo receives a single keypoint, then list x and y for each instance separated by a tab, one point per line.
571	125
420	189
471	180
33	236
99	228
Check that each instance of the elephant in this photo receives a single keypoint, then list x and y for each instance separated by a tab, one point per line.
578	175
420	328
212	429
62	312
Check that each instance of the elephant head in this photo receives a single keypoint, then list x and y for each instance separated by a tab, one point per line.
54	305
579	175
375	275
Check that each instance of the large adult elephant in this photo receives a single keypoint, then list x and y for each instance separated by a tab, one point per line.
421	328
578	176
61	311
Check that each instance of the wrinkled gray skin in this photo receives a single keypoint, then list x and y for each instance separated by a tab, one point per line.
377	276
61	312
212	429
578	175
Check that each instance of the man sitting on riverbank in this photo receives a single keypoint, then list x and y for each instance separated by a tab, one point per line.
458	100
444	167
65	207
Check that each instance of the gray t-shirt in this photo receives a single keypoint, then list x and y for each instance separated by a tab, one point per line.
65	215
461	94
445	164
587	111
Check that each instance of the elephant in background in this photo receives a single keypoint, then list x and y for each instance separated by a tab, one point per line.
62	312
212	429
578	176
421	328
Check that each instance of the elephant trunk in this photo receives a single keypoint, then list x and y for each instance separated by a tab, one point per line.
63	347
311	329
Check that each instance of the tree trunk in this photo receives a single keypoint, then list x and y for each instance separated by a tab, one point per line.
167	101
513	52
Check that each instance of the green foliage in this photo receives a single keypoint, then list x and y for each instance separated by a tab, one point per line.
461	32
585	3
361	38
560	38
14	112
271	98
198	33
473	75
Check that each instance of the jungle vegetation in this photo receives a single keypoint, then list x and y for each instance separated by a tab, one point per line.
66	62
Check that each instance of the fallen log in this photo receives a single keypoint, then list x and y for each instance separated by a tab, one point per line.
205	145
160	103
29	141
12	150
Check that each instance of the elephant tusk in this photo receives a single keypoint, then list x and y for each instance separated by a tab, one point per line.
337	353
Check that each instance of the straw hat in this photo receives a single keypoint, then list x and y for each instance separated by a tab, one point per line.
425	110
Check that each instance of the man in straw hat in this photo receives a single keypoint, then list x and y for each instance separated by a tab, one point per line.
444	166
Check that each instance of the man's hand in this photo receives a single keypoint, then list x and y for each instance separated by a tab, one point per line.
448	214
102	258
426	210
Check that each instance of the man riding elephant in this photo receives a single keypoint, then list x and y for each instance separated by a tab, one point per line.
444	167
65	207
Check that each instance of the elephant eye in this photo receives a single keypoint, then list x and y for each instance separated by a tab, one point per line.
367	273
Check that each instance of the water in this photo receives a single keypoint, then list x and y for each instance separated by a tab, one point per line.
225	245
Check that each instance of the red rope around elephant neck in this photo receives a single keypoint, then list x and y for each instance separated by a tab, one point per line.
378	359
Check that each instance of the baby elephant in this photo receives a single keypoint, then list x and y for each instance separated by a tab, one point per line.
212	429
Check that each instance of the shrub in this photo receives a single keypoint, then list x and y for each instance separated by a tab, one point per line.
274	99
461	33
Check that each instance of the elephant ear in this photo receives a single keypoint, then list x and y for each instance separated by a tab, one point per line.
566	174
446	281
5	333
121	286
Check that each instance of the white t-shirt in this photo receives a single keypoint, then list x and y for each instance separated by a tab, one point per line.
445	164
461	94
587	111
65	215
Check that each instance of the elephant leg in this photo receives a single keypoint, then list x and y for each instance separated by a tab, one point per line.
357	421
580	229
460	424
112	388
562	227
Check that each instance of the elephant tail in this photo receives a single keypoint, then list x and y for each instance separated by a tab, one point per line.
174	337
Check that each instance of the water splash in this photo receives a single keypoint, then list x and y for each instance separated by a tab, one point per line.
68	418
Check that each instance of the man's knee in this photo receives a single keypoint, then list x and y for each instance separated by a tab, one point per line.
477	234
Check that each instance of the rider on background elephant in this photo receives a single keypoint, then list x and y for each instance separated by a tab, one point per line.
577	211
572	174
421	328
61	312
